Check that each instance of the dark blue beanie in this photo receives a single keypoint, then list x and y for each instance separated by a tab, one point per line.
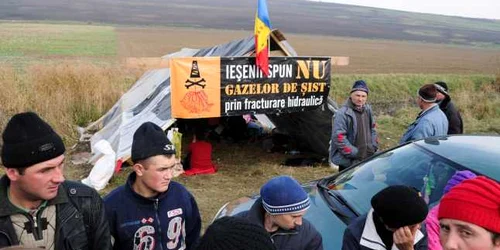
284	195
360	85
150	140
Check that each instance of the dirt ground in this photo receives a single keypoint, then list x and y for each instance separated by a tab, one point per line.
242	168
366	56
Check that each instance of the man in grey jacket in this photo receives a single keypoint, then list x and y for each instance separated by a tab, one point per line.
431	121
354	137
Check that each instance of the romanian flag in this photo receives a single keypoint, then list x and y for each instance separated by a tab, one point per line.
262	31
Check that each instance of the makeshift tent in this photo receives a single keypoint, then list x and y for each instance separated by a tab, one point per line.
149	100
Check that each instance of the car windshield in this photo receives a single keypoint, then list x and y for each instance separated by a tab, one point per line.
409	165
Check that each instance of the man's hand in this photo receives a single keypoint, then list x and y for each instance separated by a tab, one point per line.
405	236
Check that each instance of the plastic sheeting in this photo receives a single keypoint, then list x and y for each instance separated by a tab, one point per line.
149	100
104	168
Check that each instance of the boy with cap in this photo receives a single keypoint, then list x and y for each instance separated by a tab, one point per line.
354	137
280	211
151	211
455	124
393	222
431	121
469	215
235	233
38	208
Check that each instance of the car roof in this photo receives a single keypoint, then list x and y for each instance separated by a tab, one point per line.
479	153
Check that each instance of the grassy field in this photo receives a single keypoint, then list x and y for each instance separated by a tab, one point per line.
33	42
76	87
297	16
366	56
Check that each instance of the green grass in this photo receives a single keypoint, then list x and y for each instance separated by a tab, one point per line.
39	40
68	95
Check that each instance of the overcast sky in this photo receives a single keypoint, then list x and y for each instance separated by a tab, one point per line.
466	8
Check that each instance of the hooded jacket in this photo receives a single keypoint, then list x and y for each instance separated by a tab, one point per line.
455	123
169	221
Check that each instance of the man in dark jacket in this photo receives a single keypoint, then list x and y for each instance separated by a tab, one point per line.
279	211
38	208
151	211
394	221
455	124
353	132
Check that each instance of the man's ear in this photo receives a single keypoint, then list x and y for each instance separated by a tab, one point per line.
13	174
138	169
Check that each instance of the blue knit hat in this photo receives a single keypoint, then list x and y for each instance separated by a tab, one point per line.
284	195
360	85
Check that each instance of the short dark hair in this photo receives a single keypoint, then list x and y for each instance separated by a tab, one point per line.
20	170
495	237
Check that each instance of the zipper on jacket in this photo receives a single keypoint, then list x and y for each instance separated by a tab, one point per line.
159	224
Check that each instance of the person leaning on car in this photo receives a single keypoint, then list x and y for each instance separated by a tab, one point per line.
38	208
354	137
280	211
432	222
469	215
394	221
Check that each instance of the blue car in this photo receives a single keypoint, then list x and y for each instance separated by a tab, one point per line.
425	164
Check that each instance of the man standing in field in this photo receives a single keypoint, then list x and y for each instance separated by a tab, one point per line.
280	211
354	137
455	124
38	208
151	211
431	121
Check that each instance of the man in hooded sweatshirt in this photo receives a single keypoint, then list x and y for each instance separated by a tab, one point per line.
151	211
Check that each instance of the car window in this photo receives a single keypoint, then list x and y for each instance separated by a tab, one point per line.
409	165
481	153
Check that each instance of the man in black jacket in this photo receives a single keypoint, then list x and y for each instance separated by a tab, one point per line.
38	208
455	124
394	222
